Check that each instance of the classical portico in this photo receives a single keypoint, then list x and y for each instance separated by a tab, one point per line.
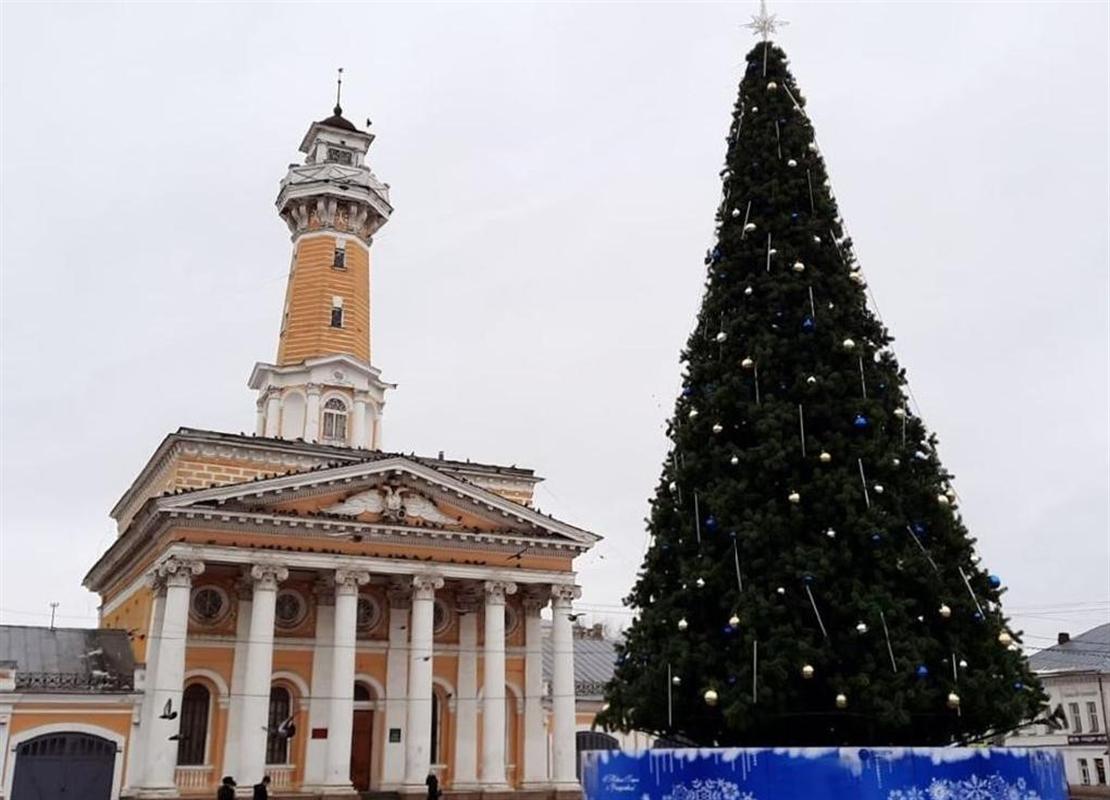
308	607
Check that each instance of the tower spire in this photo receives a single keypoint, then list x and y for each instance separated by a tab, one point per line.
338	91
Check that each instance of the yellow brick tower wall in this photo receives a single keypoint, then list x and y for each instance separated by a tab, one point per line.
313	282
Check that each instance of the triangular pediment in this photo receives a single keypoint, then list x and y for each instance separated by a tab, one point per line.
393	492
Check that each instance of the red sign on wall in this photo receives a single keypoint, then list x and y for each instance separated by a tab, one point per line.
319	733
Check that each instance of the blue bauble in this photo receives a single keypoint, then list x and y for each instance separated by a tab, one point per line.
687	392
922	671
808	580
919	528
861	422
711	523
876	538
977	617
731	680
1018	686
728	630
807	323
795	216
995	581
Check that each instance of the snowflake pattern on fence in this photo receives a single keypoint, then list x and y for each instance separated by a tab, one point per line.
708	789
991	787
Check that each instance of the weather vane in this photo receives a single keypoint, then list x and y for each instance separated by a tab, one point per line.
338	91
763	23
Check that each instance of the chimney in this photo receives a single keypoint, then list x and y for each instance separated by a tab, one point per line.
1063	637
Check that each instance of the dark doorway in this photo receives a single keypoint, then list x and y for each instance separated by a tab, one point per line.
591	740
64	766
362	739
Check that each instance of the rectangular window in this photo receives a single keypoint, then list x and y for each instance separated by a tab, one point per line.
1084	773
339	156
1076	720
1092	716
337	312
1100	771
339	260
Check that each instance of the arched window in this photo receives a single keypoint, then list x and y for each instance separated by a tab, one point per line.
277	747
335	420
194	725
435	728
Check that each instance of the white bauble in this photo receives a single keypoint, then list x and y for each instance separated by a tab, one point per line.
943	500
879	488
693	413
794	497
807	672
1005	639
799	266
849	344
677	681
945	611
841	701
953	700
747	363
830	533
735	212
748	292
749	227
791	163
861	628
683	624
734	621
734	460
825	457
700	582
717	428
710	697
772	86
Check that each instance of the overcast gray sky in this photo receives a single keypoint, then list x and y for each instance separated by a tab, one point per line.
554	171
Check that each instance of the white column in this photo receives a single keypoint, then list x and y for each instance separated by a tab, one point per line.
418	737
136	762
243	590
493	687
359	428
258	674
169	680
273	413
562	687
312	413
396	685
465	769
376	434
318	706
260	417
342	707
535	737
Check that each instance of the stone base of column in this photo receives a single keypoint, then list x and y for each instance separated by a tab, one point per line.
154	791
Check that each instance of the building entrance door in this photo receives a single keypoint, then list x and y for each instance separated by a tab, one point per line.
64	766
362	742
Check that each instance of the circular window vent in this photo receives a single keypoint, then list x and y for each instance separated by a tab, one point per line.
369	613
289	609
209	605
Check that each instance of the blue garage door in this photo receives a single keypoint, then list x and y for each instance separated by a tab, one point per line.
64	766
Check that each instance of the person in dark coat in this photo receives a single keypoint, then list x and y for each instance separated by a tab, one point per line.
227	789
432	782
261	790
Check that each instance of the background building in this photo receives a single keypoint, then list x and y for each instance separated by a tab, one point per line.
1076	675
299	604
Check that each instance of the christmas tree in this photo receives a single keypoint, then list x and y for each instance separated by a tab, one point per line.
809	580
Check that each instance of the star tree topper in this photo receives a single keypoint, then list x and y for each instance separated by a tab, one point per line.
763	23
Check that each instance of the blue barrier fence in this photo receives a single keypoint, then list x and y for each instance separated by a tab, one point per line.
825	774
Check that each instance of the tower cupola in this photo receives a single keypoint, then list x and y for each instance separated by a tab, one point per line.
323	387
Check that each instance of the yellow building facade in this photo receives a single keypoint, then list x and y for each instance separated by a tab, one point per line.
301	605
